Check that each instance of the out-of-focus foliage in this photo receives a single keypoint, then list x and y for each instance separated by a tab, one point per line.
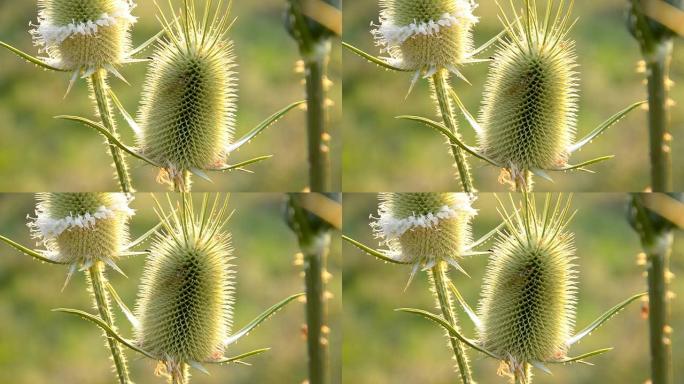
39	153
39	347
405	156
382	346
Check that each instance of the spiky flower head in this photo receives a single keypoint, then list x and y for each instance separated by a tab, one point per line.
187	113
529	291
80	229
528	117
84	35
424	228
185	302
426	35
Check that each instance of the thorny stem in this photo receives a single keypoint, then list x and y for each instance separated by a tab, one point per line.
315	247
657	245
439	278
441	84
97	282
99	82
315	54
657	53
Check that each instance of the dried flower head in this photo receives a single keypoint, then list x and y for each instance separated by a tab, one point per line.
185	303
187	113
84	35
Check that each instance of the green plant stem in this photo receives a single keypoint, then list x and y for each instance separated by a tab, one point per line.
526	184
315	247
180	376
523	376
441	83
657	245
97	281
99	83
657	52
439	278
184	184
315	54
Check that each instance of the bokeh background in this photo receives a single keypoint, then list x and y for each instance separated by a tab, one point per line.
382	346
384	154
39	347
39	153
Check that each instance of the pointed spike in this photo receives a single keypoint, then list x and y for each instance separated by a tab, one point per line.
259	319
377	254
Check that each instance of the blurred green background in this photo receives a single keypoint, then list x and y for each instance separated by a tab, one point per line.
384	154
382	346
38	153
39	347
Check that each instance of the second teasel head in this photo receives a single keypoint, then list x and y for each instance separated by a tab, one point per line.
82	228
187	112
528	303
424	228
84	35
185	302
528	117
426	35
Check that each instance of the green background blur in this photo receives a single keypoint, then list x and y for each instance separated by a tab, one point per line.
39	347
382	346
384	154
38	153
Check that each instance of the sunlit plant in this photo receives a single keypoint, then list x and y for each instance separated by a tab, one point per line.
528	305
184	312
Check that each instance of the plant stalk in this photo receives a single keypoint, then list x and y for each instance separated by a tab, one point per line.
180	375
315	53
657	245
441	84
439	278
99	83
97	281
656	49
524	375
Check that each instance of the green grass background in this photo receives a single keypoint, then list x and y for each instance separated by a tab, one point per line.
384	154
382	346
38	153
40	347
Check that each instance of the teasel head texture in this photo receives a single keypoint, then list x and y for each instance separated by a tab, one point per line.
80	229
423	229
186	297
426	35
187	112
528	304
83	36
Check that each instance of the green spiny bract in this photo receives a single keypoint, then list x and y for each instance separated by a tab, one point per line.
185	303
528	117
82	228
424	228
189	98
84	35
426	35
529	291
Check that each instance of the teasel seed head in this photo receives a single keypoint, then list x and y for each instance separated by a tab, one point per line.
528	299
84	35
426	35
82	228
528	117
187	112
185	302
424	228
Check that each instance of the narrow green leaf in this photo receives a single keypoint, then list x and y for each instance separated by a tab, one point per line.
130	120
580	167
488	44
113	140
372	59
453	332
260	319
240	165
580	358
379	255
469	311
262	126
146	44
110	332
604	126
452	138
471	120
124	308
236	359
27	251
603	319
31	59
